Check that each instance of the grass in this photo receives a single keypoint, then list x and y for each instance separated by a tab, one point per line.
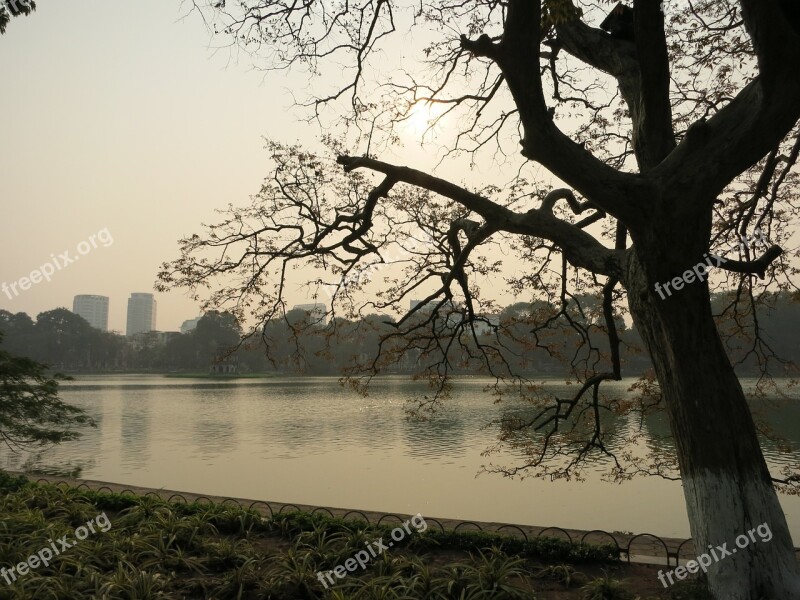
156	549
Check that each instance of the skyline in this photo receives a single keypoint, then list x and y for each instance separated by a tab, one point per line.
89	120
144	140
159	77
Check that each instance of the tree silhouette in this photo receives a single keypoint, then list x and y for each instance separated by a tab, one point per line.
31	414
671	145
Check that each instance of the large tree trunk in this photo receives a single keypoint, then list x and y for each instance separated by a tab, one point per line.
725	477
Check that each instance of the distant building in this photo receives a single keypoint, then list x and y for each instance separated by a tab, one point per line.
164	337
452	312
427	306
92	308
152	339
486	324
190	324
141	313
225	363
317	313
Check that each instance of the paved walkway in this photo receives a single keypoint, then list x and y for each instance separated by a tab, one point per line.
643	548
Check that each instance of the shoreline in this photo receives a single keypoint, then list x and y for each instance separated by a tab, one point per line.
644	548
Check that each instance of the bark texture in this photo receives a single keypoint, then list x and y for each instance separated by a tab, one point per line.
726	481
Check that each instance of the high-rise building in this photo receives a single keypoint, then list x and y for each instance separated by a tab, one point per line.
92	308
141	313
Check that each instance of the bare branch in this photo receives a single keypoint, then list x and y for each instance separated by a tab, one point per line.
759	267
581	248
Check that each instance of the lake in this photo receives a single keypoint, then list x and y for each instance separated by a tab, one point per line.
308	440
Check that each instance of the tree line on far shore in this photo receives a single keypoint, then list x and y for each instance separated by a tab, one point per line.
298	345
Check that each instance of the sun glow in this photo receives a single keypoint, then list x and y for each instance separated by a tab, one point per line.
423	120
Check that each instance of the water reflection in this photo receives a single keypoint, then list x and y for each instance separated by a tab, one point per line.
135	429
213	432
308	440
442	437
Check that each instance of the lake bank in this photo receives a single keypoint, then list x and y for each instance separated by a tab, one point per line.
641	547
148	547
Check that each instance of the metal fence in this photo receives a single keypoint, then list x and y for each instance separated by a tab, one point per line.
644	548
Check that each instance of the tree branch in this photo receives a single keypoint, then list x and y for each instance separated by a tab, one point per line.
598	49
776	43
543	142
580	248
653	136
759	266
554	196
474	202
714	152
740	134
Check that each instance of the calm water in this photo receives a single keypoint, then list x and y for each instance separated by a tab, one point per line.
309	441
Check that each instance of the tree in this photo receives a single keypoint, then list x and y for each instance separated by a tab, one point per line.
216	336
60	337
674	141
19	331
216	329
65	339
31	414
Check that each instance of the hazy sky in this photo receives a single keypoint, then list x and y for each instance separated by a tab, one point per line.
120	118
117	116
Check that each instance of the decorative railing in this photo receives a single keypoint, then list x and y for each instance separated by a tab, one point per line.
642	548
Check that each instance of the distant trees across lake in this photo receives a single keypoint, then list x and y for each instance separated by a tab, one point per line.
66	341
302	344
